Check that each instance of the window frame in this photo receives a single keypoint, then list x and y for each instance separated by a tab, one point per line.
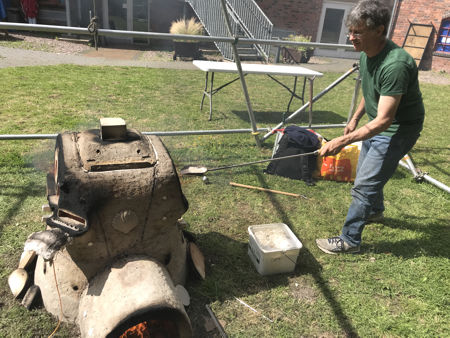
443	48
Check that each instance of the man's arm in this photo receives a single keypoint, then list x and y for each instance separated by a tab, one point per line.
387	107
353	123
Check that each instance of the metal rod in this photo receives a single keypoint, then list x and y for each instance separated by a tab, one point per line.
237	60
438	184
165	133
264	161
354	97
393	18
426	177
216	322
311	95
404	165
410	164
315	98
162	36
255	311
157	133
27	136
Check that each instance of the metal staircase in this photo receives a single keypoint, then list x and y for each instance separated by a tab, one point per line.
247	21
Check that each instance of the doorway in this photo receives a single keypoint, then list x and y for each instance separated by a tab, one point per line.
131	15
332	29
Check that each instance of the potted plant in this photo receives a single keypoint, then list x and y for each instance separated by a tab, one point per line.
297	54
186	48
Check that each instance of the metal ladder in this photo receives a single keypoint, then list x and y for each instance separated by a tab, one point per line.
247	20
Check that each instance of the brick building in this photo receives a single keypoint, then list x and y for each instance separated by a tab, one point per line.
427	12
324	21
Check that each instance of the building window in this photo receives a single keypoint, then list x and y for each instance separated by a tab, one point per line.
443	38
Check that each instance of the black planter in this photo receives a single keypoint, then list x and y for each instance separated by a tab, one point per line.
306	55
186	50
292	55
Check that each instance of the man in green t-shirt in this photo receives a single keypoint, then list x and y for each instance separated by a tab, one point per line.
393	103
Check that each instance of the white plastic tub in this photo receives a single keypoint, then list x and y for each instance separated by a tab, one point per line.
273	248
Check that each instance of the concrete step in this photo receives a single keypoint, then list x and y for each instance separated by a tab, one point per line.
250	57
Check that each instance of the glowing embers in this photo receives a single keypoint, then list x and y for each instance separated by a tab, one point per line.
151	329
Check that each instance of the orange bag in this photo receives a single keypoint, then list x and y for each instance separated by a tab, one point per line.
340	167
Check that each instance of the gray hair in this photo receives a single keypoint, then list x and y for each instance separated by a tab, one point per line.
371	13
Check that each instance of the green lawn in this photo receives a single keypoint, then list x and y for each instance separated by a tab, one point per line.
398	286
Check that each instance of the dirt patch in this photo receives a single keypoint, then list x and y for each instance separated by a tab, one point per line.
46	43
112	53
438	78
84	46
302	289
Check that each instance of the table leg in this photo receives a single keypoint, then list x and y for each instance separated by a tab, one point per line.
292	94
292	91
303	91
204	91
211	91
211	95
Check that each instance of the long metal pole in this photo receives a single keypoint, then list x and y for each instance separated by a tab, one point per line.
438	184
156	133
314	99
11	137
311	93
393	18
237	60
354	98
163	36
425	177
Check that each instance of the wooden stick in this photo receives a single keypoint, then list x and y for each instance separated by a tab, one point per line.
266	190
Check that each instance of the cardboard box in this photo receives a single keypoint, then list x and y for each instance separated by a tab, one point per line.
273	248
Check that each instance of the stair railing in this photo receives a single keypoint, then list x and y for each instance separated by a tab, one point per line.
254	23
246	16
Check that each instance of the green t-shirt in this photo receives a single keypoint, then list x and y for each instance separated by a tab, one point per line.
392	72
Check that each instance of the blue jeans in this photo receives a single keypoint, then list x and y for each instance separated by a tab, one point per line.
377	162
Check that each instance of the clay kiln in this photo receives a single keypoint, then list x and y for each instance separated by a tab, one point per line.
115	194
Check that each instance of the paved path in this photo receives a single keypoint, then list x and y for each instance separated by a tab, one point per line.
15	57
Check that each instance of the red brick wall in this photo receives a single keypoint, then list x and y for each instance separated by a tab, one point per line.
301	16
423	12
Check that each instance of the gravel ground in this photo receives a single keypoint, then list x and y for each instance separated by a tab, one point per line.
28	49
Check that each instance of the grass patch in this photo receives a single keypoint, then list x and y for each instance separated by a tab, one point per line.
398	286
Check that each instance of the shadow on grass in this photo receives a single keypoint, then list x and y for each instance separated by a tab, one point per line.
433	242
237	277
10	38
313	267
436	166
275	117
17	195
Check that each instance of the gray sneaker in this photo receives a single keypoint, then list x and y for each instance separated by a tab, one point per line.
375	218
335	245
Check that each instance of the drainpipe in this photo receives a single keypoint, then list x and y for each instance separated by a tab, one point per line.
68	19
391	22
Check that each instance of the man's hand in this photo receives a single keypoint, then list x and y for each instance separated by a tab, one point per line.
332	147
387	106
351	126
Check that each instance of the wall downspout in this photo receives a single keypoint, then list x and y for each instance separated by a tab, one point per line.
393	19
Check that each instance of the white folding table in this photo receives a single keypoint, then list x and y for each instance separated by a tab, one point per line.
253	68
